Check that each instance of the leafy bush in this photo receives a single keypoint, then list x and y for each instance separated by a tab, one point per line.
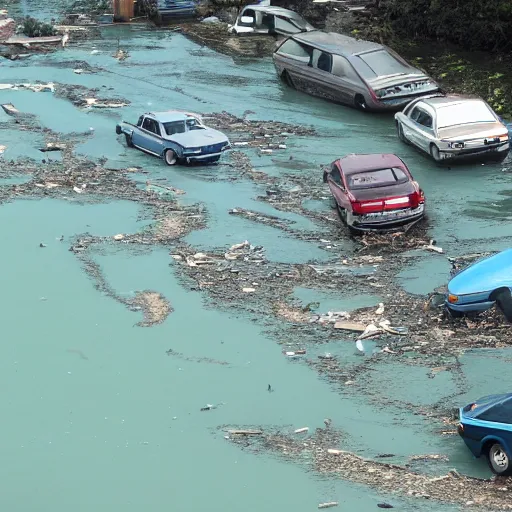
35	28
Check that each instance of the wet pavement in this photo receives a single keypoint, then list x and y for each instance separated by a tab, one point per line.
101	408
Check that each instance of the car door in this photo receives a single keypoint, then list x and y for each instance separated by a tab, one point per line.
148	137
345	80
420	129
337	187
319	77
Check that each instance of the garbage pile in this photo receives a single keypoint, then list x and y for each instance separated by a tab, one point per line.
321	451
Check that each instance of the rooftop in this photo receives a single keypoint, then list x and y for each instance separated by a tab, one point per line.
352	164
170	115
337	43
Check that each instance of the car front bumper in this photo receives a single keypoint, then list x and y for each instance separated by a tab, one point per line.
387	220
470	306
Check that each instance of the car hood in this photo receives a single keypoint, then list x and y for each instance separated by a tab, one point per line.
473	131
197	138
484	275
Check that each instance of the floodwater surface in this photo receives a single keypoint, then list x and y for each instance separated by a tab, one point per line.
96	415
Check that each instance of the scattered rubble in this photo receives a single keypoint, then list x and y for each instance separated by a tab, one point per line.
391	479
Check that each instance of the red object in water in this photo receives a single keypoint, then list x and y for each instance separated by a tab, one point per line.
375	191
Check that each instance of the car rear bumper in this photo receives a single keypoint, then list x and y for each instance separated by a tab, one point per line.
387	220
475	153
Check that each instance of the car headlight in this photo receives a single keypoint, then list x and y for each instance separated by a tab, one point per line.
452	299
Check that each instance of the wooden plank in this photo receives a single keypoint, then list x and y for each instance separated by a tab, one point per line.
350	326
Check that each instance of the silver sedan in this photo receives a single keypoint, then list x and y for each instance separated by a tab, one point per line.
453	127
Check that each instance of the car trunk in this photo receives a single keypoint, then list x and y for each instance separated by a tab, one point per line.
389	88
382	199
473	131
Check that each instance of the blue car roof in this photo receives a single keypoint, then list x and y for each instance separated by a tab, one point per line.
484	275
485	403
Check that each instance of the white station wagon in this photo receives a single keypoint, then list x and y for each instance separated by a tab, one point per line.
453	127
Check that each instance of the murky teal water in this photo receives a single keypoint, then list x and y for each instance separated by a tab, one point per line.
95	414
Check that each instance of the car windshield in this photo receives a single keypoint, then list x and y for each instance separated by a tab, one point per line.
194	124
175	127
468	112
377	178
380	63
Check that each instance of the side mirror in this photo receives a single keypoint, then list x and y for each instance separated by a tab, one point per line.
247	19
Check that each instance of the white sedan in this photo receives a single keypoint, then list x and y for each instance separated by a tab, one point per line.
452	128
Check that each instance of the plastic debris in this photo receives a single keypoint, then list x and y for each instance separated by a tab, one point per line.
295	353
328	504
432	247
301	430
208	407
370	331
380	309
118	237
2	149
211	19
248	290
10	109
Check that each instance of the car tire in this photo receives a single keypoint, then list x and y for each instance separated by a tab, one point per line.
129	142
435	153
453	313
170	157
400	132
504	303
498	460
360	102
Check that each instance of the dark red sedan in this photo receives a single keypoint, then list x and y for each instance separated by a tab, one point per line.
374	192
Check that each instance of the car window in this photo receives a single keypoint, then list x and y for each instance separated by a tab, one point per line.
150	125
421	117
193	124
377	178
336	176
321	60
296	50
247	13
174	127
499	413
468	112
341	67
267	21
139	122
287	25
382	63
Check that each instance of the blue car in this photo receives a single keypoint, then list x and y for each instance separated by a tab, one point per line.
483	284
175	136
486	427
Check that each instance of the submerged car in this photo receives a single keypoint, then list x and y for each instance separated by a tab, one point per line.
175	136
481	285
374	192
486	427
350	71
453	127
266	19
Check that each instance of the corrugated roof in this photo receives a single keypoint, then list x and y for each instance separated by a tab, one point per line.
338	44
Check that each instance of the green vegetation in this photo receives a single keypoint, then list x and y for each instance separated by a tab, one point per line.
35	28
472	24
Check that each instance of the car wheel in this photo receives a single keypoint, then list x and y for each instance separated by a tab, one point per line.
498	460
360	102
504	303
453	313
129	142
435	153
400	132
170	157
